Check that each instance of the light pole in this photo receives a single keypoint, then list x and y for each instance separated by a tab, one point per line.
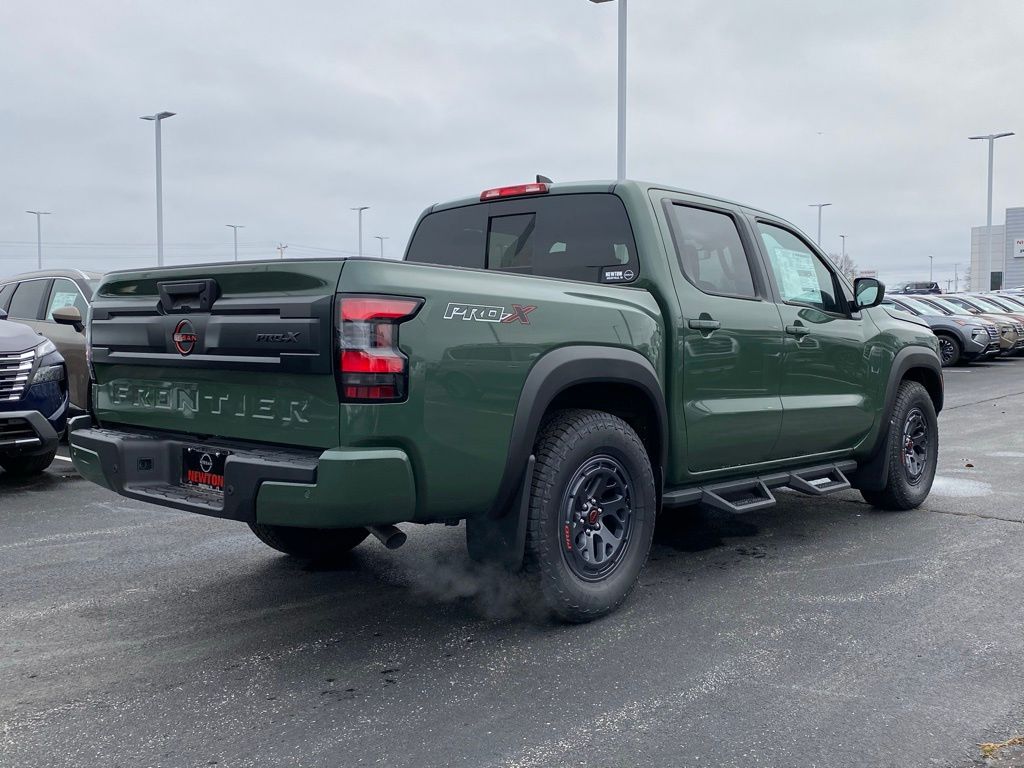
157	118
621	155
956	277
843	238
39	236
235	228
281	248
931	263
359	210
991	139
819	206
382	238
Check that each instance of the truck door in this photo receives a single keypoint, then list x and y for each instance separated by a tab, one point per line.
825	371
727	347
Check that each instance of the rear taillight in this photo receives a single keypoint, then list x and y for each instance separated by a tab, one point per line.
371	367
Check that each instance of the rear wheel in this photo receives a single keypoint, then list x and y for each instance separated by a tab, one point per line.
23	466
591	516
310	543
912	448
950	350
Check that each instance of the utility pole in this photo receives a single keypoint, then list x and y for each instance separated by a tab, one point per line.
281	248
382	238
991	139
157	118
621	150
819	206
359	210
956	277
39	236
236	227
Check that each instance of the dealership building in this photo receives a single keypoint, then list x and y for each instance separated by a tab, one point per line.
1007	244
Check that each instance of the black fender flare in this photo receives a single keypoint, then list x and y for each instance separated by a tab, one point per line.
554	373
873	474
502	529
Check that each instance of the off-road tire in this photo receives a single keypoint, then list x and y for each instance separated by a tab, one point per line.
568	443
319	544
902	491
23	466
950	350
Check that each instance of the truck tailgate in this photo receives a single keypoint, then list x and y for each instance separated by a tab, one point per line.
242	351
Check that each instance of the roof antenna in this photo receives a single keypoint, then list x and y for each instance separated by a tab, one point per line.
541	179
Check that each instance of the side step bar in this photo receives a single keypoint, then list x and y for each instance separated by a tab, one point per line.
751	494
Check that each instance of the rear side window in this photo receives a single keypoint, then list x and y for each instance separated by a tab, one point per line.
710	251
5	294
28	299
577	237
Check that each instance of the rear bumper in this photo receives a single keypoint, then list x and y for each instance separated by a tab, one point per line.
27	432
338	488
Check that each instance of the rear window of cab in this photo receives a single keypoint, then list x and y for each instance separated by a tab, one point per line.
575	237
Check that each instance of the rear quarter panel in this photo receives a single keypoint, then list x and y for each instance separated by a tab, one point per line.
466	374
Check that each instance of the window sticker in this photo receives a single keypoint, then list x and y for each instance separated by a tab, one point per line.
798	280
62	299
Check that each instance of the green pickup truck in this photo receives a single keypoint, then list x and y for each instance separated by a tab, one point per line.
555	364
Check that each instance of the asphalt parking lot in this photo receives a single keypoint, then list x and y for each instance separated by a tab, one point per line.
816	633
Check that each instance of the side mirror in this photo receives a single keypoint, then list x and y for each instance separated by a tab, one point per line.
69	316
868	292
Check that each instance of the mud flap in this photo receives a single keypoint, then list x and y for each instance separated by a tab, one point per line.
502	540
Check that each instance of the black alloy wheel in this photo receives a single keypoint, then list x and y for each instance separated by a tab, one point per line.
597	513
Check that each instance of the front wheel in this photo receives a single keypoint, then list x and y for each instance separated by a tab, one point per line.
911	450
592	510
949	350
320	544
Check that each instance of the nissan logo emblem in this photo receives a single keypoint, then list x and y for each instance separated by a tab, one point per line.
206	462
184	337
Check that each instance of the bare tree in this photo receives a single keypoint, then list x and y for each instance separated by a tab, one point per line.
845	264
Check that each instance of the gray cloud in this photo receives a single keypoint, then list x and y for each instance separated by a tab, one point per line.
289	114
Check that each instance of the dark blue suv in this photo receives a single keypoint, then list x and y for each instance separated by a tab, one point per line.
33	399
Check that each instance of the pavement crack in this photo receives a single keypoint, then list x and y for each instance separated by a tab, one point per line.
979	402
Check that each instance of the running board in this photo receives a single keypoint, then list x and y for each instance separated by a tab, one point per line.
751	494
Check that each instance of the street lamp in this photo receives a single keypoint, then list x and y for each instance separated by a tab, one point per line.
236	227
987	267
843	238
39	236
157	118
931	263
382	238
621	154
819	206
359	210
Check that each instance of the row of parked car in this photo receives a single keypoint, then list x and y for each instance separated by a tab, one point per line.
44	375
970	327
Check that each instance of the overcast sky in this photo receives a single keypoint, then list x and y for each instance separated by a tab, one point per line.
291	113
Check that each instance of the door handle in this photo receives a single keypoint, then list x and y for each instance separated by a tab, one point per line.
704	325
797	330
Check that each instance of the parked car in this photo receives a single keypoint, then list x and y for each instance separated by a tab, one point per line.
312	399
991	309
1009	339
33	299
918	287
33	399
962	338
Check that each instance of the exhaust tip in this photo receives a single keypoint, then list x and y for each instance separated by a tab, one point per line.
388	535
